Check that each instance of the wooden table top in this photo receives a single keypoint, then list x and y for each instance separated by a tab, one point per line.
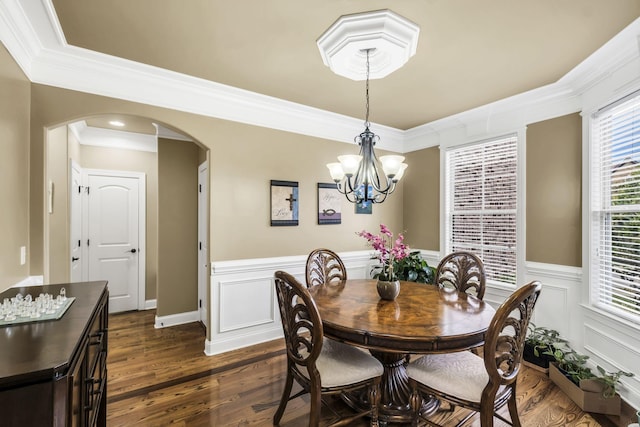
422	319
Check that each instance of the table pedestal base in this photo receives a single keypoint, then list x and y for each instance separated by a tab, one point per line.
394	392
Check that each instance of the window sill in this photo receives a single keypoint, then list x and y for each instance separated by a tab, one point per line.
612	317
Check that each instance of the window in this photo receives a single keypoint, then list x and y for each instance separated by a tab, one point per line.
481	205
615	208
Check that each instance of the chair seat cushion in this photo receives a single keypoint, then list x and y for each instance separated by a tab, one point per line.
341	364
460	374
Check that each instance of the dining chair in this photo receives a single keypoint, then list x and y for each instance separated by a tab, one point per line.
480	383
319	366
463	271
324	266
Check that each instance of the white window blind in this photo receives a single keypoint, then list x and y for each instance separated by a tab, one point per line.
615	208
481	205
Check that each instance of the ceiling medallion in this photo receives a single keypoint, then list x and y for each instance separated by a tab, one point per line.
390	38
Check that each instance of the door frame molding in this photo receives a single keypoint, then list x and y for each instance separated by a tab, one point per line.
73	165
142	221
203	239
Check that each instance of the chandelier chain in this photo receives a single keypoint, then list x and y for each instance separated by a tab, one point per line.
366	120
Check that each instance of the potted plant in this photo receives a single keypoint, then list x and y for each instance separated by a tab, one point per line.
592	393
389	251
539	346
414	268
609	380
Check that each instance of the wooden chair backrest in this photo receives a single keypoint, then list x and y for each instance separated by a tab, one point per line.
462	271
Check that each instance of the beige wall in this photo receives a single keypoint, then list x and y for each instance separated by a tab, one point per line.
421	207
553	188
133	161
14	170
177	227
554	173
243	160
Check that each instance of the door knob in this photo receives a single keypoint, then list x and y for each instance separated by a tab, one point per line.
74	258
133	251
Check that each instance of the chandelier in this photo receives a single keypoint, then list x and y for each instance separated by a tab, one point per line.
362	177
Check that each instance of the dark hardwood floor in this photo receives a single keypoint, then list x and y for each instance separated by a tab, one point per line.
161	377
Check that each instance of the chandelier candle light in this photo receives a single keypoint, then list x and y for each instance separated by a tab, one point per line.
364	178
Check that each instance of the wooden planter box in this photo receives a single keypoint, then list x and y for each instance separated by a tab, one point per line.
589	401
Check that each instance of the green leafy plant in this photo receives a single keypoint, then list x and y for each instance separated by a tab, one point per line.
574	366
414	268
572	363
610	380
542	339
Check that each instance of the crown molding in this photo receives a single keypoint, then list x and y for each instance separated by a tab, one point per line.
31	32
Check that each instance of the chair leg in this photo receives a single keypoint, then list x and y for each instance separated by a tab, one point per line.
316	406
374	399
284	400
513	409
486	418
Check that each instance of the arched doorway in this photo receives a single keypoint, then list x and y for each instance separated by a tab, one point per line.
99	151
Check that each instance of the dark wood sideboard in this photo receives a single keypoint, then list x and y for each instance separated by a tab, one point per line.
54	373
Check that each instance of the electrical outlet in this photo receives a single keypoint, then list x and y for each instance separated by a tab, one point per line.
23	255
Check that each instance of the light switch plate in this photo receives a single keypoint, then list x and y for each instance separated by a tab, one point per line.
23	255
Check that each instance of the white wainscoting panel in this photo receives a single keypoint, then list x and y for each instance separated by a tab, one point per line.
559	299
248	296
243	309
610	342
615	345
243	305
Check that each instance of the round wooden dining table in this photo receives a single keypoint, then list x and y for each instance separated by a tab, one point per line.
422	319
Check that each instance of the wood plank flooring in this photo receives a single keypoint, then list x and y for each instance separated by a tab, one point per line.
161	377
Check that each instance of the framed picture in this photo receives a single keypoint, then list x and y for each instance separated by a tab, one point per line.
284	203
364	207
329	204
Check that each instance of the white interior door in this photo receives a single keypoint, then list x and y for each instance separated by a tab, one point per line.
203	238
75	232
116	235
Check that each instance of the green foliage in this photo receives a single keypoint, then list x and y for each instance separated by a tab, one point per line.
625	234
542	339
610	380
575	365
414	268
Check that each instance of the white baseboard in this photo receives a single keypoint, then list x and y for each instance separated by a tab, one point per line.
233	343
150	304
176	319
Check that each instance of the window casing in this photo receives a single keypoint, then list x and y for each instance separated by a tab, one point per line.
615	208
481	205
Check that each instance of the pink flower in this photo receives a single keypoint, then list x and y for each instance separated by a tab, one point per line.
388	249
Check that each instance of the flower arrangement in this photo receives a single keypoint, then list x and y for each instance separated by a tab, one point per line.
389	251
